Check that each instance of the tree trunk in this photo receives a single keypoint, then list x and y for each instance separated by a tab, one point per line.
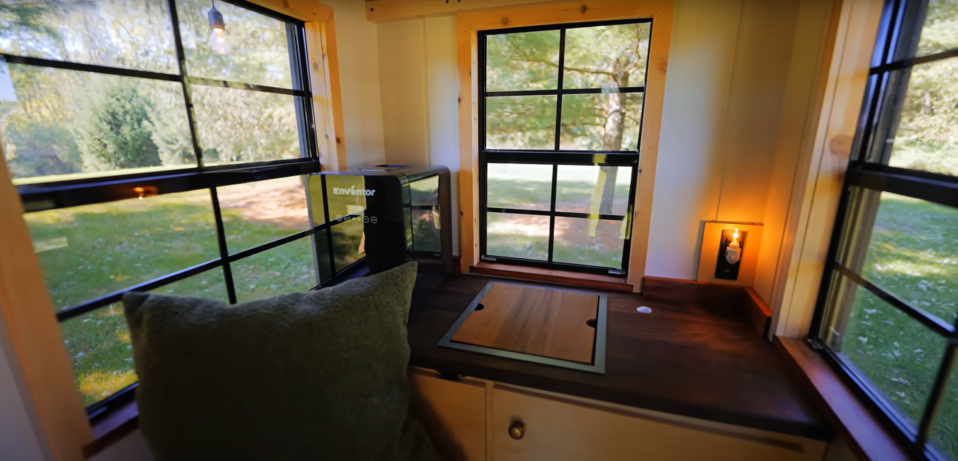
614	130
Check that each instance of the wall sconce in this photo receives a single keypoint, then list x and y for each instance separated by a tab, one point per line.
730	254
724	258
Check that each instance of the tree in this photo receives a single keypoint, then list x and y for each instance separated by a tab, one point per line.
232	125
605	57
27	17
927	134
169	125
114	131
39	149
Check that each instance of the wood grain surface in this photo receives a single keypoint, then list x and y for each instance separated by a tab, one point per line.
536	274
689	357
538	321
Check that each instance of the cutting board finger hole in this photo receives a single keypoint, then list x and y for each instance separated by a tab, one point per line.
590	322
479	307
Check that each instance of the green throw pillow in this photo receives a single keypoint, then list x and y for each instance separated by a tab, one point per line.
303	376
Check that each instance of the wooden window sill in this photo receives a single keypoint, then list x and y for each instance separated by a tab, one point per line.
858	427
112	426
535	274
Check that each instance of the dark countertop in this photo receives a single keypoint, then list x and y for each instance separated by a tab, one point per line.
696	359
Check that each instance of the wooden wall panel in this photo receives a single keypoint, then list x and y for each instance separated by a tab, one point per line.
402	83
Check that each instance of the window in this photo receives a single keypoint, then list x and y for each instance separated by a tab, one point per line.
888	306
560	122
125	188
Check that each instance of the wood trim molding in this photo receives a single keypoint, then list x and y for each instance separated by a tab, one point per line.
324	79
754	308
760	314
826	144
856	425
52	402
112	427
602	282
304	10
397	10
467	26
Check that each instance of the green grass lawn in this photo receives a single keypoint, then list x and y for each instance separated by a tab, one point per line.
527	236
94	250
913	253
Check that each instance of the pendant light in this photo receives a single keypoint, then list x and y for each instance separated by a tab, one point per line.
218	42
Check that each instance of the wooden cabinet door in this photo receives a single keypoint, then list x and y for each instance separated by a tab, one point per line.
453	413
556	429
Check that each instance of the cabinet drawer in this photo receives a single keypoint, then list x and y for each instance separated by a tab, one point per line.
453	414
557	429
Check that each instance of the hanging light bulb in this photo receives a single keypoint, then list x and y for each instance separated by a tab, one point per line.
218	42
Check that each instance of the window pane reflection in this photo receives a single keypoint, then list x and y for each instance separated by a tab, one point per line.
349	242
898	356
517	235
285	269
259	51
608	122
525	187
245	126
927	138
911	252
257	213
593	189
74	31
66	125
521	122
606	56
589	242
522	61
93	250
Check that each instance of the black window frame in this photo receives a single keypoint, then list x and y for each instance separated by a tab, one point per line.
555	157
116	185
895	50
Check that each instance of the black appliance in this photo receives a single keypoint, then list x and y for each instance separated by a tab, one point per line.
404	209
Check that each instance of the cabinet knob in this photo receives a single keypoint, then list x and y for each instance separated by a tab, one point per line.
517	430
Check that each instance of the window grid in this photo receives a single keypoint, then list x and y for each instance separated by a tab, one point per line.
51	195
556	157
897	36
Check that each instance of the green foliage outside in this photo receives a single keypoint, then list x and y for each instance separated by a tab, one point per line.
81	124
927	136
115	133
912	254
607	58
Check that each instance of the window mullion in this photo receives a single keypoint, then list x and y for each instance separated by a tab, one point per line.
934	399
329	231
224	250
187	99
552	210
558	109
930	321
299	83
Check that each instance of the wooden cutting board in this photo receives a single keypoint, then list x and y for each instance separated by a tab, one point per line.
538	321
